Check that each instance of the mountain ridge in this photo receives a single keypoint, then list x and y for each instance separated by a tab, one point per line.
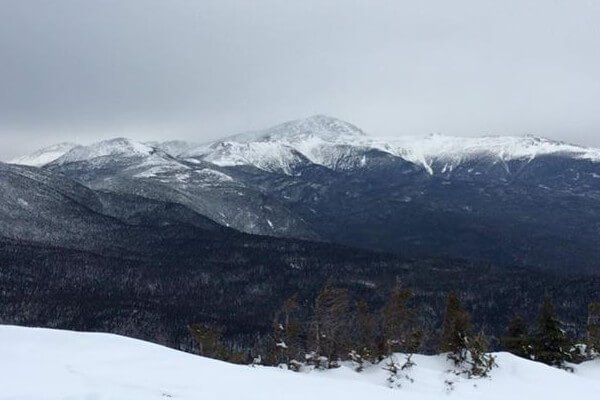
325	141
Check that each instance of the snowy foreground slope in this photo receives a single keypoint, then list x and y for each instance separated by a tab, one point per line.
51	364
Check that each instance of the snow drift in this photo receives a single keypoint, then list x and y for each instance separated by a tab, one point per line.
51	364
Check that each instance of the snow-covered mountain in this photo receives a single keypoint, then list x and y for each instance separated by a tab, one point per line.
339	145
128	167
506	199
319	140
449	152
324	141
138	159
118	147
44	156
50	364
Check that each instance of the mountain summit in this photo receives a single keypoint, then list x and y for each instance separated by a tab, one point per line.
316	127
118	147
44	156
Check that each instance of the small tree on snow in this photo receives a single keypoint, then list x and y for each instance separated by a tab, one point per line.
455	327
400	330
363	333
401	334
467	352
330	327
398	372
209	341
593	331
517	340
550	343
358	360
286	334
481	363
317	360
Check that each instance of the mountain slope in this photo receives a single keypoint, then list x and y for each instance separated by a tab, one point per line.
127	167
38	205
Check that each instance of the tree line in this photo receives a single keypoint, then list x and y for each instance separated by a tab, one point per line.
339	328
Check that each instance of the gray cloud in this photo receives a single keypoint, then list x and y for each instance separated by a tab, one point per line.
74	70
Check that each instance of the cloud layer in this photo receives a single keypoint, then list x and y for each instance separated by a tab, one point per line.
74	70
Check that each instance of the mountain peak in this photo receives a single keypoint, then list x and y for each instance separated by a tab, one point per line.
112	147
44	156
316	127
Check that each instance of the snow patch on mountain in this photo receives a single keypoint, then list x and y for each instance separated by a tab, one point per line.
44	156
268	156
156	171
214	176
174	172
451	151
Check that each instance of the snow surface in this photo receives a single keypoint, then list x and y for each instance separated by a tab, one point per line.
45	155
51	364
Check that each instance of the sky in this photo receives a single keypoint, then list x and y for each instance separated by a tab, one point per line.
82	71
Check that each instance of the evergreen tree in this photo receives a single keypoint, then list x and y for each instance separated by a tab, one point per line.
593	331
550	344
287	331
468	353
517	339
208	341
400	330
455	327
330	327
398	372
365	327
481	363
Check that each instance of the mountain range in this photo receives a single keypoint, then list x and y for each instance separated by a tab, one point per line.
524	201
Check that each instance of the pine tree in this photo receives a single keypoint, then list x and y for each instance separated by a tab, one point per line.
550	344
364	332
401	334
517	339
287	330
330	327
455	327
481	363
399	372
400	330
467	352
593	331
208	341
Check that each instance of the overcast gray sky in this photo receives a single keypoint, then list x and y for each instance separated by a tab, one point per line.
73	70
